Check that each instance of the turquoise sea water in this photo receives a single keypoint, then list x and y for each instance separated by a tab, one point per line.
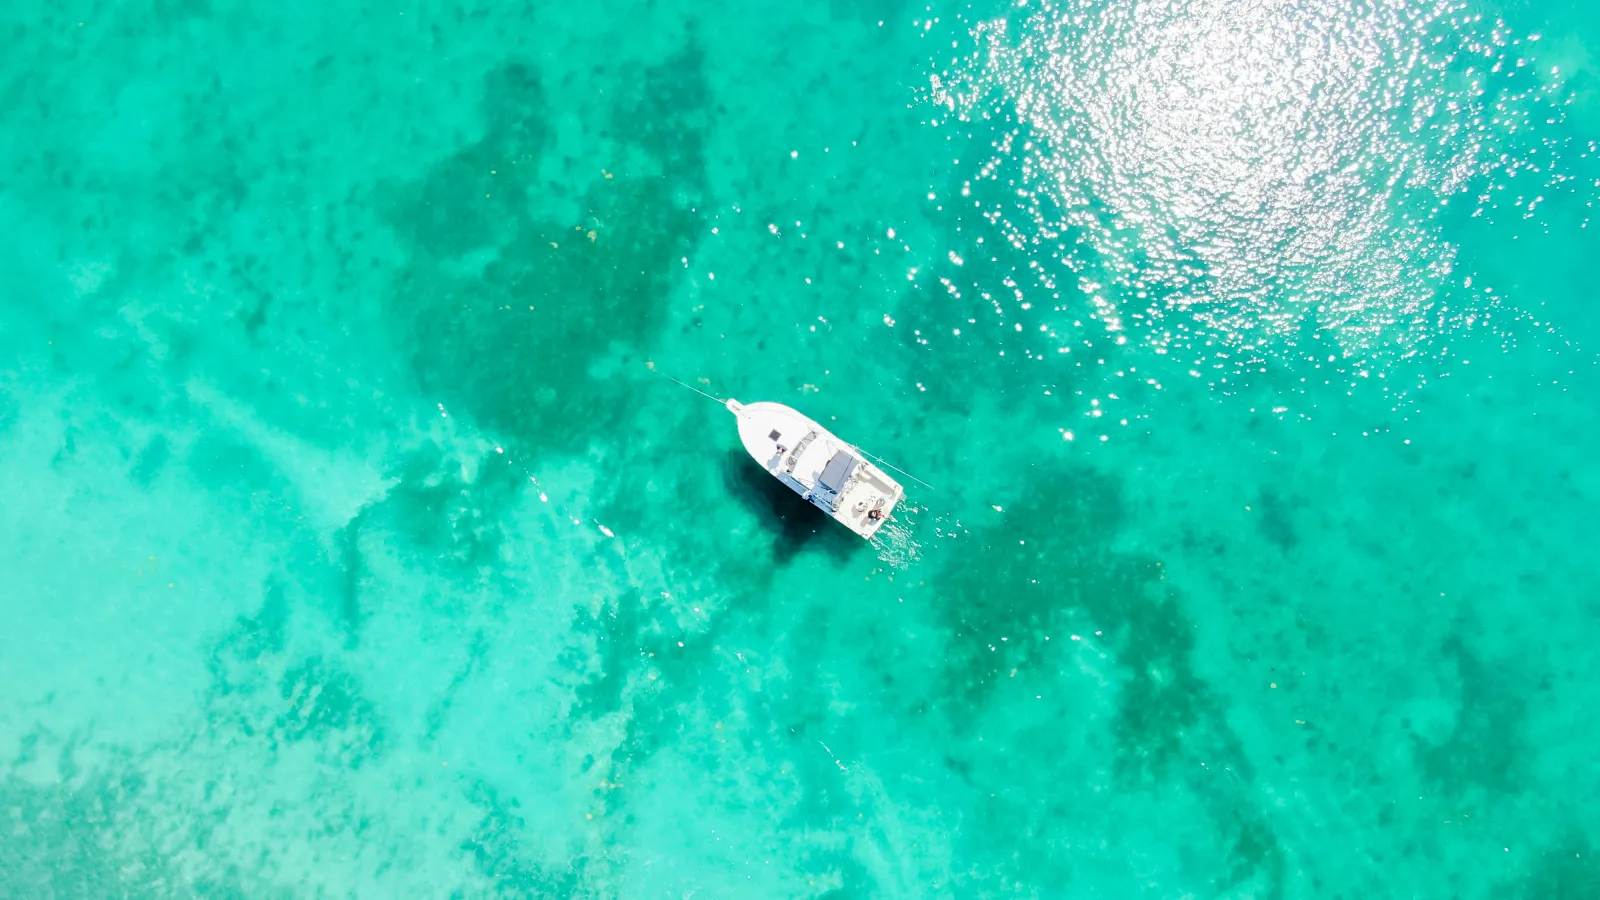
351	548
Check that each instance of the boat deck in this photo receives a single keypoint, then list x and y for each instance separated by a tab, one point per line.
870	489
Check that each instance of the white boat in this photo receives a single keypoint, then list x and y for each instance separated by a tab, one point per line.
832	475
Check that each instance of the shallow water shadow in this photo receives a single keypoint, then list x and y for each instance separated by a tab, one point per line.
516	283
1053	560
796	523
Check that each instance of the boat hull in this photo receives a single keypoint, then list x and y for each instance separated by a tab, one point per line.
834	476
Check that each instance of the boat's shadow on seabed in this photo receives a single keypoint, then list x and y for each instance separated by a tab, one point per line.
795	524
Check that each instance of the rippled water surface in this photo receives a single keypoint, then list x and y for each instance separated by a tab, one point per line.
356	546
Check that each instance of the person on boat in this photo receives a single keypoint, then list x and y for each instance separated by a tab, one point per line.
874	515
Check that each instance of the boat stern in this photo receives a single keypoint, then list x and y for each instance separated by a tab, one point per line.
869	501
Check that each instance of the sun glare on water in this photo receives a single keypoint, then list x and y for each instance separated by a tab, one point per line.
1242	184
